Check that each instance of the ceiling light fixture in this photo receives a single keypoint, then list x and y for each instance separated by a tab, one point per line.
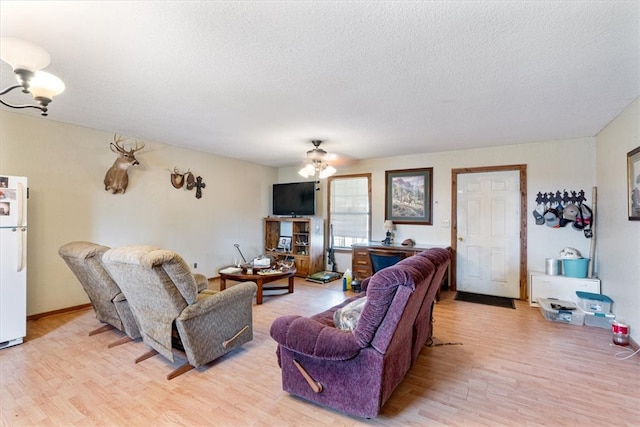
27	59
317	165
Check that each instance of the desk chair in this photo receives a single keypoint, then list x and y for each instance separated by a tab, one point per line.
383	259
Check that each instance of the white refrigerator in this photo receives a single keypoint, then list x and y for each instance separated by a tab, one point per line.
13	260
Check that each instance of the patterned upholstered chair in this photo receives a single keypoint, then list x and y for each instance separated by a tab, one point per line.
109	303
173	316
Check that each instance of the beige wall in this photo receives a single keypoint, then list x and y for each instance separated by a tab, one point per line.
571	164
551	166
619	238
66	165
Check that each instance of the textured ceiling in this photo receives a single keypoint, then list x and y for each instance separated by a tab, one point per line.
258	80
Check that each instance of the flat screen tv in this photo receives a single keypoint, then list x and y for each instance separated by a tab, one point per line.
294	198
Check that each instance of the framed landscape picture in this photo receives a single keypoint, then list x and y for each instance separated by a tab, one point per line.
408	197
633	183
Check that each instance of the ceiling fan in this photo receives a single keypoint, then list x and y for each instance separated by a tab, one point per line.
317	163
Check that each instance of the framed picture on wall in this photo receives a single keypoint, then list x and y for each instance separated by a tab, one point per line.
633	183
408	198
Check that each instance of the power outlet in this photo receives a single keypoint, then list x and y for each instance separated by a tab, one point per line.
195	265
445	223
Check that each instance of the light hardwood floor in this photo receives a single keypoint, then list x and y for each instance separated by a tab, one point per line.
512	368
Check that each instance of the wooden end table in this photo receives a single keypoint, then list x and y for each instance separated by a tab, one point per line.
260	280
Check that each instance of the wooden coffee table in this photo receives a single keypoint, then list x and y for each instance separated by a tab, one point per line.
260	280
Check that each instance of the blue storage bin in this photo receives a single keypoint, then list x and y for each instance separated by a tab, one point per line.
575	267
595	303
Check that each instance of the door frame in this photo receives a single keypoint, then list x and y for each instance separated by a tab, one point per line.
523	218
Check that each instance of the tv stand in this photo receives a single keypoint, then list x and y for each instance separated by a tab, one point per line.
307	243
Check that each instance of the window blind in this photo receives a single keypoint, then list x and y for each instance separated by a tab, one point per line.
350	210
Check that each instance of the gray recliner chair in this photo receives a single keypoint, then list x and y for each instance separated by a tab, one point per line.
172	315
109	303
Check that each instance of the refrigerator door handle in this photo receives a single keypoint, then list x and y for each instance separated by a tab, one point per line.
21	204
22	248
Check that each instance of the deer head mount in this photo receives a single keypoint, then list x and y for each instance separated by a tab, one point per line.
186	179
177	178
116	180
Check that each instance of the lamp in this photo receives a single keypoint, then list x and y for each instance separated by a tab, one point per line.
317	163
388	225
27	59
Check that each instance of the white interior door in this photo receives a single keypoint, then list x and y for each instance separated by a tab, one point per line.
488	221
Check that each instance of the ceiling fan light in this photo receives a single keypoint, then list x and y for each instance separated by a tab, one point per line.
307	171
316	164
45	85
327	171
317	154
23	55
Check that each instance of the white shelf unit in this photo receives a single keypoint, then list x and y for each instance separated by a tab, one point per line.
560	287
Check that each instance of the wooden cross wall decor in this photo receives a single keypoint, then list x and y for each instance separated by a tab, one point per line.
199	186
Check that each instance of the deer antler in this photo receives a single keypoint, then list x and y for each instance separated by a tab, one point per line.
133	150
117	140
118	143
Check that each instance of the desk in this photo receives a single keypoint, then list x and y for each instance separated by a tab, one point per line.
260	280
361	263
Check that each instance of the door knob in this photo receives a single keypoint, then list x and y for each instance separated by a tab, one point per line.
460	239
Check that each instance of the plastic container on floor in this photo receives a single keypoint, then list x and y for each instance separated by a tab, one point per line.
620	333
347	277
599	320
596	303
561	311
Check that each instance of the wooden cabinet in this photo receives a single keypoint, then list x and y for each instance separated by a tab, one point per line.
298	239
361	263
560	287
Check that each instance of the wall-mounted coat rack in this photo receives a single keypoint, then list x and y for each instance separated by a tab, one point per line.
564	197
559	209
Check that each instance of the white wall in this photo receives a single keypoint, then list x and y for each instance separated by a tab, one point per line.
551	166
66	165
619	238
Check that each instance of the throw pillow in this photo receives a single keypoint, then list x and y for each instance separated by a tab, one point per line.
346	318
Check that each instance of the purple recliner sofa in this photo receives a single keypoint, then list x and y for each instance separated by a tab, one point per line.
356	371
